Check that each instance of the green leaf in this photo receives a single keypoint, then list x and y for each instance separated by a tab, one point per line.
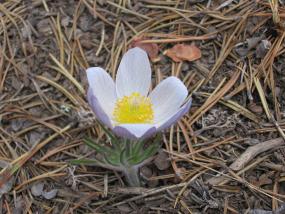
158	138
123	157
151	150
89	162
137	148
128	147
116	144
113	158
135	160
147	153
108	133
114	140
97	147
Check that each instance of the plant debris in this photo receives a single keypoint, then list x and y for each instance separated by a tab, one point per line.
181	52
152	49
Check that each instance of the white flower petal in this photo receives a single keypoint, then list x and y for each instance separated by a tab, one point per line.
134	131
97	109
103	88
167	98
134	73
175	117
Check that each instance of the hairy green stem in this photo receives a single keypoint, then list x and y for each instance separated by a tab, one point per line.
132	176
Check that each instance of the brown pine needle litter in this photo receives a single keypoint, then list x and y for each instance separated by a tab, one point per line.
226	155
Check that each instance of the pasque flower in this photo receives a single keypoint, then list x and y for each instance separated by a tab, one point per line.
127	106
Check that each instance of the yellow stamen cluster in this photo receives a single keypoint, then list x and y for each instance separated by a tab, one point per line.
133	109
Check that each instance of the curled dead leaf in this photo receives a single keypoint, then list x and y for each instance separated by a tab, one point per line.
264	179
151	48
181	52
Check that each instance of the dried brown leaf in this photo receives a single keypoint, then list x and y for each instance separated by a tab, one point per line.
151	48
181	52
263	179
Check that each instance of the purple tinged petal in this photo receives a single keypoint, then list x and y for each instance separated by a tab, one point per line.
103	88
134	131
97	109
175	117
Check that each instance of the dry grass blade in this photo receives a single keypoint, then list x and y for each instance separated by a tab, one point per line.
60	88
236	107
266	108
64	72
214	98
262	97
226	48
275	12
50	174
20	161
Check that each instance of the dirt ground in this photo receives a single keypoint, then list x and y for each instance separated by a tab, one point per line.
226	155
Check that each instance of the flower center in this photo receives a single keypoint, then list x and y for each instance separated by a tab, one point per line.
133	109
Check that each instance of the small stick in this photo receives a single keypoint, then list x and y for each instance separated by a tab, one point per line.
255	150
